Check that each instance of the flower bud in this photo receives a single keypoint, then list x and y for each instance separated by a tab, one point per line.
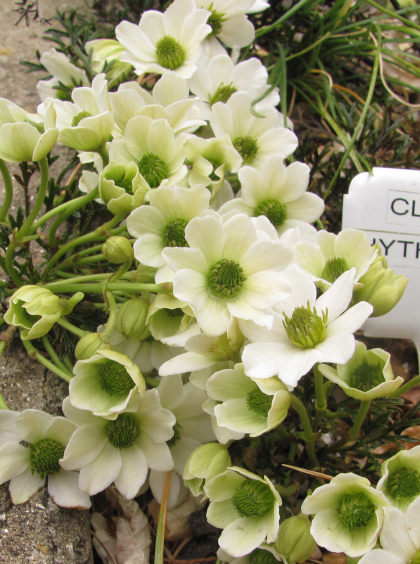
131	319
117	250
88	346
206	462
122	187
382	288
294	540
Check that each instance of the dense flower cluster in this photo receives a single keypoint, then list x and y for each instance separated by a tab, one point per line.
241	298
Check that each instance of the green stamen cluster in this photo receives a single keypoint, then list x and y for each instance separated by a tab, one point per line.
114	379
177	312
177	435
153	169
124	183
404	484
170	53
215	21
366	376
123	432
258	402
260	556
44	456
223	93
175	233
226	279
306	328
355	511
247	148
253	499
31	319
274	211
78	118
416	559
334	268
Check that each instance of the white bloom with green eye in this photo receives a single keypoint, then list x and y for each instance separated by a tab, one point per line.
220	78
206	462
105	383
152	145
27	468
349	514
308	330
400	481
400	538
255	139
226	272
122	187
171	321
120	450
63	72
166	42
162	224
366	376
278	193
246	405
246	507
332	255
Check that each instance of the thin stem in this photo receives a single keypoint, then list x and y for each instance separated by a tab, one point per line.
113	311
164	288
405	21
3	404
398	393
151	381
72	328
307	427
160	533
354	431
7	179
284	492
35	354
70	260
103	151
321	402
54	356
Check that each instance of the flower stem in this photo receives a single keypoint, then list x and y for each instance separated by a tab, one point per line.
160	532
165	288
113	311
354	431
103	151
3	404
309	437
50	350
321	402
72	328
35	354
7	179
410	384
150	381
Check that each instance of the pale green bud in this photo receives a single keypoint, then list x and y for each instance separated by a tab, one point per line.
204	463
131	319
89	346
23	142
117	250
122	187
294	540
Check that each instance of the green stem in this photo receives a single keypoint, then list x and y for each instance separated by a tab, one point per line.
8	186
54	356
354	431
120	272
284	492
34	353
3	404
321	402
68	364
72	328
164	288
103	151
70	260
307	427
405	21
113	311
151	381
89	260
74	278
398	393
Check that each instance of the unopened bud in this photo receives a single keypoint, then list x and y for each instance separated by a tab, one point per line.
131	319
294	540
117	250
88	346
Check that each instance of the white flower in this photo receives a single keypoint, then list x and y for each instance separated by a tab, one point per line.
120	450
279	193
332	255
256	139
28	467
63	72
246	405
349	514
8	431
171	321
400	538
163	223
223	434
152	145
206	462
220	78
226	272
400	480
165	42
246	507
366	376
308	330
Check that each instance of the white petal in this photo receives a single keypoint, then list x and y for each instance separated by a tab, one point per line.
243	535
158	455
337	298
84	446
329	532
101	472
24	486
14	459
379	556
133	472
32	425
63	487
351	320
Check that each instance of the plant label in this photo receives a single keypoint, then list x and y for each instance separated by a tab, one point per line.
386	205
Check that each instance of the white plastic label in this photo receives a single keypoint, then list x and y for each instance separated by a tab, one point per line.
387	207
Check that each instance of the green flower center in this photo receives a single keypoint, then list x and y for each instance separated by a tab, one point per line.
31	319
416	559
78	118
366	376
355	510
223	93
226	279
215	21
258	402
253	499
247	148
114	379
260	556
44	456
170	53
333	269
274	211
124	183
175	233
177	435
153	169
404	484
177	312
306	328
123	432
